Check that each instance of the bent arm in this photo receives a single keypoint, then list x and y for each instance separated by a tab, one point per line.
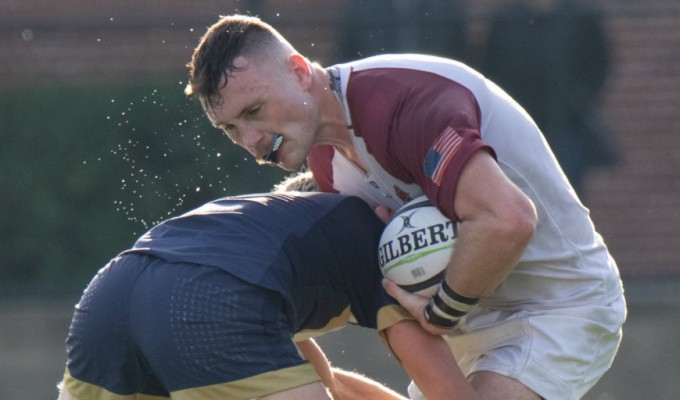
497	220
344	384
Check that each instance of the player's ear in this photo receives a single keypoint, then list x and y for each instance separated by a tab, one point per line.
301	68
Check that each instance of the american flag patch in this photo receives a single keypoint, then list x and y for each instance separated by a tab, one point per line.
441	153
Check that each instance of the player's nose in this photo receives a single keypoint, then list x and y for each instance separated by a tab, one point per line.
251	139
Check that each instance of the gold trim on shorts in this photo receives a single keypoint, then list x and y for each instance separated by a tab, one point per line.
254	386
248	388
84	390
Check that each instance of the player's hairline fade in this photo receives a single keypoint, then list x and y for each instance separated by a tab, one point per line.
232	36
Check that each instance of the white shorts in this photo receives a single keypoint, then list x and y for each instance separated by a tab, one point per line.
559	353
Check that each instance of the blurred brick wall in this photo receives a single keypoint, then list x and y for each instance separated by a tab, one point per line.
45	42
635	204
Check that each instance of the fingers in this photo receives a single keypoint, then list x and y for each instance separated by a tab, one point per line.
384	213
391	288
414	304
395	291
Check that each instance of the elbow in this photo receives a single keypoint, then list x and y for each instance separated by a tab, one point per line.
523	222
518	224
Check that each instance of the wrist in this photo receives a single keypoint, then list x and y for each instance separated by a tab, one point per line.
447	307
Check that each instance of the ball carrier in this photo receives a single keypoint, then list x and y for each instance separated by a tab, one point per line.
393	127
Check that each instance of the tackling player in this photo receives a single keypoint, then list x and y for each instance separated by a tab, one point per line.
205	306
532	300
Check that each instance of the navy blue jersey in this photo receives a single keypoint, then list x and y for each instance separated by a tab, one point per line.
319	251
206	304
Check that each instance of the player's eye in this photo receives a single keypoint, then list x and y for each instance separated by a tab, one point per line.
253	111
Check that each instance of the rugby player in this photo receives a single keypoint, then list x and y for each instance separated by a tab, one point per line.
532	303
210	305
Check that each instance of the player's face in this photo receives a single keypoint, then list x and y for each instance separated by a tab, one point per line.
267	109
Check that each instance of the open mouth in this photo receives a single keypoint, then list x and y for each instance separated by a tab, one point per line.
271	157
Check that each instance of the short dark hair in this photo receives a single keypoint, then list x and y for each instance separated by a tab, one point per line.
229	38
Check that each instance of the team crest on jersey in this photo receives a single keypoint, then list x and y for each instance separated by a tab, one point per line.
444	148
403	195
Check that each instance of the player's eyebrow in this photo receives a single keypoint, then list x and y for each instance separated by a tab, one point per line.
246	109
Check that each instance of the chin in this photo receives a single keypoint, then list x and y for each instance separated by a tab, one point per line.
290	162
290	168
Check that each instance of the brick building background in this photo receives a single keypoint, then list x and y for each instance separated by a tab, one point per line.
634	204
46	43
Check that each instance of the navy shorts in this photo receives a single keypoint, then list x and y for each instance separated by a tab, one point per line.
147	327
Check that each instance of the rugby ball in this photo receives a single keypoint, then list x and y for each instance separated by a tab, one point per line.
416	245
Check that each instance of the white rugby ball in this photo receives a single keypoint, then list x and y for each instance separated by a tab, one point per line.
416	245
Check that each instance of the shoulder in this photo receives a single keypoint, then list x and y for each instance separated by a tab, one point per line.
414	62
399	103
385	82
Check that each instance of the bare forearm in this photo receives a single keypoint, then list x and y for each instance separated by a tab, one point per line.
497	220
350	385
486	252
313	353
429	362
344	385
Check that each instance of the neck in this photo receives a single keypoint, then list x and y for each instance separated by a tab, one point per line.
333	129
333	125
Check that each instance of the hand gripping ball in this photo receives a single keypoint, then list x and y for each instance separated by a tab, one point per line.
416	246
